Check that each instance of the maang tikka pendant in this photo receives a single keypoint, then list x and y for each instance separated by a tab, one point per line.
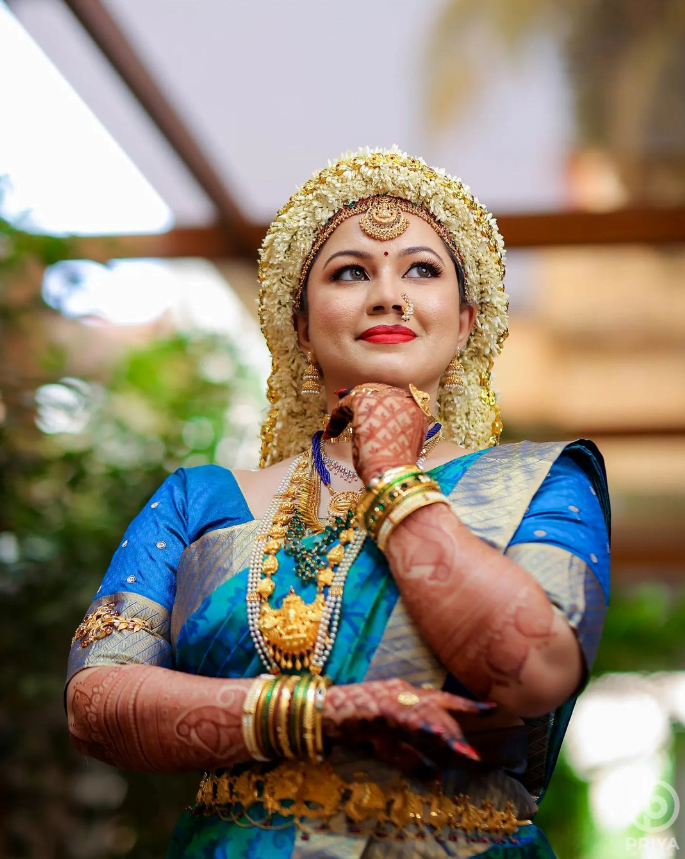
384	220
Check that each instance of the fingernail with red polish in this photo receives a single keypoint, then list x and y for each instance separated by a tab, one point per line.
465	749
343	392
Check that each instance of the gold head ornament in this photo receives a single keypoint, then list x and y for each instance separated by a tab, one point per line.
383	220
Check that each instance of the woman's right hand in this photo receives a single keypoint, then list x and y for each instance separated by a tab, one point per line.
410	737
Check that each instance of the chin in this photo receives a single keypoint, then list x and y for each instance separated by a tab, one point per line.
398	377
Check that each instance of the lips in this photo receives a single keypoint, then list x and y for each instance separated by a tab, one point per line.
387	334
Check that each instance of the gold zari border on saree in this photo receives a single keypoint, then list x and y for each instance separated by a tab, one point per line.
310	796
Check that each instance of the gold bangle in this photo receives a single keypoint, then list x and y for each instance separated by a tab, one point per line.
408	506
378	484
390	504
386	499
308	721
248	719
283	714
320	699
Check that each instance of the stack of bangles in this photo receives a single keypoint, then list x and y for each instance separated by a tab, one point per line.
392	496
283	717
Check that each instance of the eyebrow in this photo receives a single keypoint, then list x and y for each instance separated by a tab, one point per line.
403	253
420	249
351	253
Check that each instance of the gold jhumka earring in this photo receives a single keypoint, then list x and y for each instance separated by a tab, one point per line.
454	375
311	381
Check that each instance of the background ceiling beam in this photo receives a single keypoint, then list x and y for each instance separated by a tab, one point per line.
635	225
110	39
551	229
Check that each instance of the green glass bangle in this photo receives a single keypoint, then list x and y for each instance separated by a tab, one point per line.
299	696
380	500
388	503
372	494
265	743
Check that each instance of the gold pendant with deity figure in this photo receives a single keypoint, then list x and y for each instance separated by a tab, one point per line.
290	631
341	502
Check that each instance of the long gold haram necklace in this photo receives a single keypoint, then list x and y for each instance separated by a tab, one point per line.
297	634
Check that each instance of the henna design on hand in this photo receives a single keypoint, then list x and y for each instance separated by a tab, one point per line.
144	717
486	618
372	710
389	427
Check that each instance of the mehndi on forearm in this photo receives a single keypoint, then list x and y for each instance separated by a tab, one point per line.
486	618
143	717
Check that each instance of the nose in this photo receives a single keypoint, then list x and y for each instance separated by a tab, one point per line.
384	295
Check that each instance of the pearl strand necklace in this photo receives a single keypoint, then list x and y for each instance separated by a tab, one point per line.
330	618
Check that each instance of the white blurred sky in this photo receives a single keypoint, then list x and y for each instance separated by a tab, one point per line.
66	172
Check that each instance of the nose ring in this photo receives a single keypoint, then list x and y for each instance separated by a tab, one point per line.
407	308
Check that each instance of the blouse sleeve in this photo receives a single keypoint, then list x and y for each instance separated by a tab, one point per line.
563	540
129	620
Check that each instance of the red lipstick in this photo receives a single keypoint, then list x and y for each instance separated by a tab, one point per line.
387	334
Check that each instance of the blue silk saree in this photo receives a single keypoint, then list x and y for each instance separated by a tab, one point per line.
181	570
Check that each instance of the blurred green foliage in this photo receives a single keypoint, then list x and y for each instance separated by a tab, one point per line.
644	631
65	500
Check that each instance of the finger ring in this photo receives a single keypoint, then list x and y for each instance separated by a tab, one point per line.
429	687
422	400
408	699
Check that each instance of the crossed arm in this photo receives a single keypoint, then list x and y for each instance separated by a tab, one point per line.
485	617
144	717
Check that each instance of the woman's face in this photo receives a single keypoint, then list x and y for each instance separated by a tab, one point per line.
355	286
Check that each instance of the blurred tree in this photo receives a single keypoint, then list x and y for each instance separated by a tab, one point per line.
644	631
78	458
626	65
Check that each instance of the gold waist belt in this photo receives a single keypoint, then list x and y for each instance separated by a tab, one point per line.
303	793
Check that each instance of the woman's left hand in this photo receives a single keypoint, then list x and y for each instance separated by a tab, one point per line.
389	427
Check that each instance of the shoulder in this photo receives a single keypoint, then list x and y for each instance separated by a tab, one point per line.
575	465
204	493
259	487
581	452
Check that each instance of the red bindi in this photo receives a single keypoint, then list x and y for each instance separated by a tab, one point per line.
385	253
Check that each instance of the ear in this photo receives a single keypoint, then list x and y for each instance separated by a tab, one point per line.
467	319
301	323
